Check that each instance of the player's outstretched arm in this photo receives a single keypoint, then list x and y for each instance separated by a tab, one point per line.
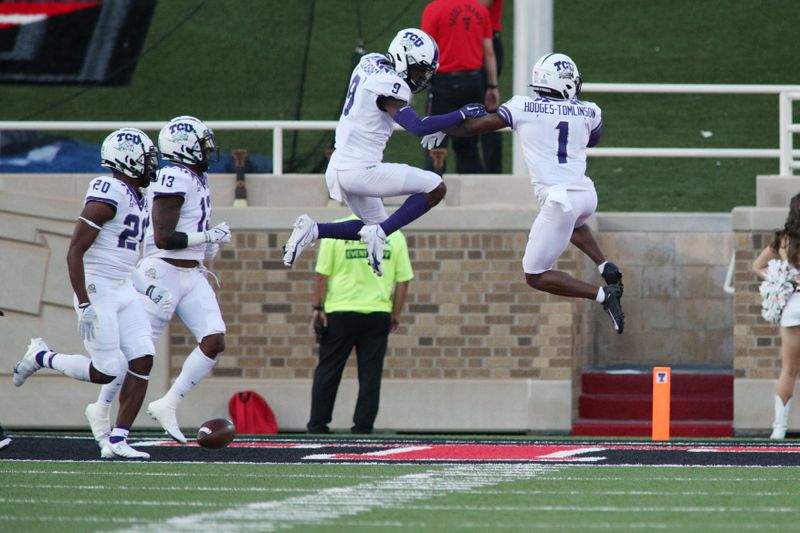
476	126
405	115
468	128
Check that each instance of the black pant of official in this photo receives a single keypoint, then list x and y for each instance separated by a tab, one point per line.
369	334
449	91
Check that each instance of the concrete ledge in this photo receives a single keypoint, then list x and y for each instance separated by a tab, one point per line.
775	191
664	222
406	405
749	219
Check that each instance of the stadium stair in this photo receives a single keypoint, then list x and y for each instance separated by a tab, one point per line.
618	403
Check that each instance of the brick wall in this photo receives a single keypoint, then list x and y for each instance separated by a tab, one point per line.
756	341
469	313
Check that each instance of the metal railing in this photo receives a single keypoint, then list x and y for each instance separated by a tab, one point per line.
785	153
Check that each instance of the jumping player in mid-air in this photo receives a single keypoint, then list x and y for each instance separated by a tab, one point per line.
377	98
555	129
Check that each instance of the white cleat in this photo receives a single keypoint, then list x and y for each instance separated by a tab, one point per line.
302	237
99	417
27	366
121	449
163	412
373	236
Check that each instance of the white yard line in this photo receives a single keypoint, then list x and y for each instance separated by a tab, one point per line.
325	505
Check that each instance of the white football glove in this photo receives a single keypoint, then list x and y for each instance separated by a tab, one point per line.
219	233
433	140
212	249
160	296
87	322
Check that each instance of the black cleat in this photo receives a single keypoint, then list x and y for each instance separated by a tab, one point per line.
612	276
613	307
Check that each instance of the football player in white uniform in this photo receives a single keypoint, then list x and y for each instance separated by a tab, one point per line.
101	259
555	129
378	97
179	239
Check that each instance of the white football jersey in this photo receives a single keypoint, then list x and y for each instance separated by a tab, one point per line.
363	128
554	135
115	251
177	180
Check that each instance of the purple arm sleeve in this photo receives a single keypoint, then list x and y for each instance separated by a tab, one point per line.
594	136
411	122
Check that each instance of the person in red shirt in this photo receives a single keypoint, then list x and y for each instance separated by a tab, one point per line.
463	31
492	143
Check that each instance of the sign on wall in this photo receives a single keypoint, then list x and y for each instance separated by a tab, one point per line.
83	42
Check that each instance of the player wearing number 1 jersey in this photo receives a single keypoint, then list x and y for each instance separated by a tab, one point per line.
555	129
378	97
101	259
179	239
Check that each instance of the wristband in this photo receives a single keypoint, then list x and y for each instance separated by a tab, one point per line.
318	308
84	306
491	86
177	241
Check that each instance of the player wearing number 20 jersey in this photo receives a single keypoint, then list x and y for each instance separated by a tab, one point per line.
102	255
555	129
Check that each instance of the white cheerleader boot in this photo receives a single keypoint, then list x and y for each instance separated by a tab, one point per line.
781	418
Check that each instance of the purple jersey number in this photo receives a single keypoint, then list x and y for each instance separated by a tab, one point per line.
563	132
351	94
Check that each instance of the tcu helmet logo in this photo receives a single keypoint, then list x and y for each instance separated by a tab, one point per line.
127	140
180	131
565	69
411	39
125	137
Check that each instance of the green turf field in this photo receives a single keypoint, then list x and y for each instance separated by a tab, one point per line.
82	497
268	59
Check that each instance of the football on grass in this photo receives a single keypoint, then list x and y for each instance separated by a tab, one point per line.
216	433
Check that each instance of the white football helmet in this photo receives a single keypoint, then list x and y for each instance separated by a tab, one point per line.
412	47
556	76
187	140
131	152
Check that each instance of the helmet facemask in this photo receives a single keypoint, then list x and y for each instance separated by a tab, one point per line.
418	76
150	174
209	151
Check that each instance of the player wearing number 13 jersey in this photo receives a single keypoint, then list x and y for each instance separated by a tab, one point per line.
101	259
378	96
555	129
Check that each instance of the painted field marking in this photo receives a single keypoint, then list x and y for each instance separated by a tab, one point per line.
325	505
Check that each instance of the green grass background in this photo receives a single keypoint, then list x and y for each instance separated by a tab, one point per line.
270	59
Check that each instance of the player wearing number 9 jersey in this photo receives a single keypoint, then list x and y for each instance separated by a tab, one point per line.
378	96
101	259
177	243
555	129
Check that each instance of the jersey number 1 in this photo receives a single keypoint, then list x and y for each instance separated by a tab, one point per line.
563	132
